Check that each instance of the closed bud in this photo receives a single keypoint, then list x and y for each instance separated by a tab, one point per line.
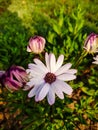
36	44
14	78
91	43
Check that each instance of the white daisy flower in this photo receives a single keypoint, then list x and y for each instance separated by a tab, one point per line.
49	80
96	60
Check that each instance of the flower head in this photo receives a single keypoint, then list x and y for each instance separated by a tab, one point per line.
14	78
48	80
91	43
96	60
36	44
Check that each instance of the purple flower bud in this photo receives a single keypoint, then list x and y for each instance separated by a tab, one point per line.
14	78
36	44
91	43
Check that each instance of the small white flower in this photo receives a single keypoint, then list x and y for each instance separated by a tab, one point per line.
49	80
96	60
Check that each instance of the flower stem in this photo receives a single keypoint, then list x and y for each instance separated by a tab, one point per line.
51	114
84	53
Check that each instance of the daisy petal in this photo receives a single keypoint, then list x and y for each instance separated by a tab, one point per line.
94	58
35	81
41	65
52	62
31	65
38	91
66	77
47	61
43	92
59	61
33	91
57	89
95	62
35	68
63	69
26	87
65	87
34	73
51	97
71	71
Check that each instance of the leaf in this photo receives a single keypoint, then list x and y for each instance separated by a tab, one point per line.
57	28
89	92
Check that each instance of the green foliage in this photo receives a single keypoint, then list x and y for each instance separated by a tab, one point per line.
65	34
13	41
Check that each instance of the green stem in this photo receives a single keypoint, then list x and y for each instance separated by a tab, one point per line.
51	114
84	53
40	55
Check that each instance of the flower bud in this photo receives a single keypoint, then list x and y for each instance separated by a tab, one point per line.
14	78
91	43
36	44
